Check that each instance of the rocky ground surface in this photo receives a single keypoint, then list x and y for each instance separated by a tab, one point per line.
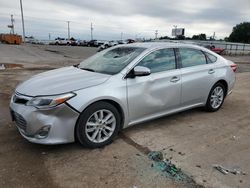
193	140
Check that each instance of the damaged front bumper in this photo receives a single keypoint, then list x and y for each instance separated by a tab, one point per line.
50	126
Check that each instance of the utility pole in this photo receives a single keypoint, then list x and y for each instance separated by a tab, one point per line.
21	5
175	30
12	24
91	30
214	36
68	30
49	36
156	34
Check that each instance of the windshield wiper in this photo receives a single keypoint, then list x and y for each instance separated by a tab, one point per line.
87	69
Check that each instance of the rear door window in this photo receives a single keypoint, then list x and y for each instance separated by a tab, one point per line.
192	57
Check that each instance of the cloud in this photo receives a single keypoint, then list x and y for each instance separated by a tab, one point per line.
132	17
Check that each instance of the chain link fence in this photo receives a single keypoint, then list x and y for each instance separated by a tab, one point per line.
230	48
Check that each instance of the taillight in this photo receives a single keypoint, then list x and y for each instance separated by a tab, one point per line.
234	67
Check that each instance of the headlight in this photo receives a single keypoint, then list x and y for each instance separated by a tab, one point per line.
49	101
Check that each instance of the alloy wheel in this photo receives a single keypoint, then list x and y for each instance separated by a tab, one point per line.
217	97
100	126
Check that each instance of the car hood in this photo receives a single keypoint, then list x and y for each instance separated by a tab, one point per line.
59	81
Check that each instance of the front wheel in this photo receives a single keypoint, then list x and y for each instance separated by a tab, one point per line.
215	98
98	125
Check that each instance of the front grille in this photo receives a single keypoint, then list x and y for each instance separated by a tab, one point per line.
20	121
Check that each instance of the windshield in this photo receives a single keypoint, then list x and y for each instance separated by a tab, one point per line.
111	61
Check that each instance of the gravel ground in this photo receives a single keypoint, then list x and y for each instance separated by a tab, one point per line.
195	140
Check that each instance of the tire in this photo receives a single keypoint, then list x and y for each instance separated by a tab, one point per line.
215	98
98	135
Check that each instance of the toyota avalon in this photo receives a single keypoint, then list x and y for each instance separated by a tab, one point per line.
119	87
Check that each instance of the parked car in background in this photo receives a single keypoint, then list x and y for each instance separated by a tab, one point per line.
103	47
92	43
117	88
99	43
73	42
95	43
107	44
32	40
82	43
29	39
122	42
129	41
113	43
215	49
60	41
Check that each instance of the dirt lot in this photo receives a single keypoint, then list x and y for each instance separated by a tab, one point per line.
195	140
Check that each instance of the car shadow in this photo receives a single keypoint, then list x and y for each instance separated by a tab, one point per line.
162	120
148	125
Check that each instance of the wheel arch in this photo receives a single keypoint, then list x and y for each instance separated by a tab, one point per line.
207	106
114	103
118	107
224	83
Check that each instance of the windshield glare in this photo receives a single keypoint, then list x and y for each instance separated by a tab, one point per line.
111	61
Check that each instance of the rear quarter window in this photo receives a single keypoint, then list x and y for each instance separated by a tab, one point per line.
211	58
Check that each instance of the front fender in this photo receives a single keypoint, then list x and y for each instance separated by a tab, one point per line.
115	92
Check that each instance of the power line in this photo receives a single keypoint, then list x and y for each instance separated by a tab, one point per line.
109	27
31	24
68	30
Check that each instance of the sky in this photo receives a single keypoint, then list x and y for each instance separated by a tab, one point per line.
116	19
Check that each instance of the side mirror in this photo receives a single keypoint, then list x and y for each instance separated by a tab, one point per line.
141	71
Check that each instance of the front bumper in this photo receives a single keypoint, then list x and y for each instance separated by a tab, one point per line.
59	122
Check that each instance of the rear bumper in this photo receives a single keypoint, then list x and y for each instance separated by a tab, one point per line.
51	126
231	83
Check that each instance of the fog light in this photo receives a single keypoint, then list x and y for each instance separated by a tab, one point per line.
43	132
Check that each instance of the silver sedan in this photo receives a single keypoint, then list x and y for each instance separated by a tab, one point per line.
119	87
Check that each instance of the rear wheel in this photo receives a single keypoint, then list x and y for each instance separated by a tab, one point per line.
98	125
215	98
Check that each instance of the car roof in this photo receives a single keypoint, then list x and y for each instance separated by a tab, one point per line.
153	45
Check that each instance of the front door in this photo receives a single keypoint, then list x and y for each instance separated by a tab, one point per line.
158	92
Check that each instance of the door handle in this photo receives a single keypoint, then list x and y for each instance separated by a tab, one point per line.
211	71
175	79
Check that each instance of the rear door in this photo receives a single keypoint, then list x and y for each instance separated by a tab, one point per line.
198	76
158	92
